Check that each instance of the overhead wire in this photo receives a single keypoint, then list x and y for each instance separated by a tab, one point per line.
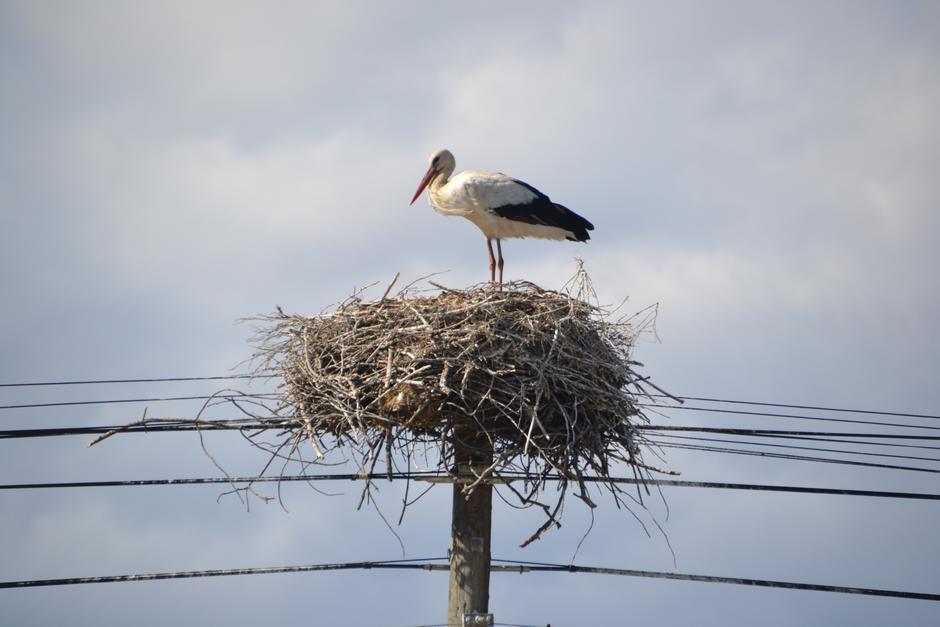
782	433
664	396
203	397
572	568
820	449
753	448
154	427
664	438
422	563
440	478
250	424
739	412
262	376
823	436
497	565
874	412
151	380
806	458
276	396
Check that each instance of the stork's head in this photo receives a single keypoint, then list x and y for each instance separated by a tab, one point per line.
440	163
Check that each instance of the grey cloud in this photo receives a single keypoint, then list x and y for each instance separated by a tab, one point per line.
764	171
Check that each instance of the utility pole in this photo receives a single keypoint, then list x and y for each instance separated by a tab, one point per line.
470	541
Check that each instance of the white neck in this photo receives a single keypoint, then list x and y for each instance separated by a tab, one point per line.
447	199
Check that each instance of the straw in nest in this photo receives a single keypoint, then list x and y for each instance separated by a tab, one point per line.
521	384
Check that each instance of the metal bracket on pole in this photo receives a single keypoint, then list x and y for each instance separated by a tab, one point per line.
474	619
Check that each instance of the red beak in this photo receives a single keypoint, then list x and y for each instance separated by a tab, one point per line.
431	173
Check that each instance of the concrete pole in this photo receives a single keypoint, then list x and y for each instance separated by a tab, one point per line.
470	547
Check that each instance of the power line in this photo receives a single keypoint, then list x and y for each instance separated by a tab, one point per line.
685	398
782	433
278	396
788	416
805	458
216	480
430	475
155	425
225	572
820	449
244	424
252	425
571	568
505	566
154	380
873	412
262	396
804	436
782	488
168	425
266	376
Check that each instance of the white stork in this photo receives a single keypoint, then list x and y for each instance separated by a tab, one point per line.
500	206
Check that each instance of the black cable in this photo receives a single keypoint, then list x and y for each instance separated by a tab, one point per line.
248	424
803	436
14	434
685	407
685	398
820	449
771	488
788	416
276	396
394	564
151	427
571	568
804	458
427	475
215	480
251	424
272	423
509	566
863	443
156	380
261	396
810	407
781	433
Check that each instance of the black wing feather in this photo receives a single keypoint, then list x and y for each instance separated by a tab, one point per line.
541	210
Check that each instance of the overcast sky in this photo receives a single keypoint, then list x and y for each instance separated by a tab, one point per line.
766	172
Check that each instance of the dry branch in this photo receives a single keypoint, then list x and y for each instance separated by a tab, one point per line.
527	383
530	380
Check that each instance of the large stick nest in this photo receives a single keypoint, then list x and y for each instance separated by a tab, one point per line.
510	382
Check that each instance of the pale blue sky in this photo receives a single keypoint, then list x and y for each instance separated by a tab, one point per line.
766	172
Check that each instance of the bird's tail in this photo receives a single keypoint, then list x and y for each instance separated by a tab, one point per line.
578	226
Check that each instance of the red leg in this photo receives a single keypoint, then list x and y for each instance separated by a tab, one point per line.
499	249
489	245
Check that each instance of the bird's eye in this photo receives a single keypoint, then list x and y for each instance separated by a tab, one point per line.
436	161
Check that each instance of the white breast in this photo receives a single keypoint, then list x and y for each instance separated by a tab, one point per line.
474	193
